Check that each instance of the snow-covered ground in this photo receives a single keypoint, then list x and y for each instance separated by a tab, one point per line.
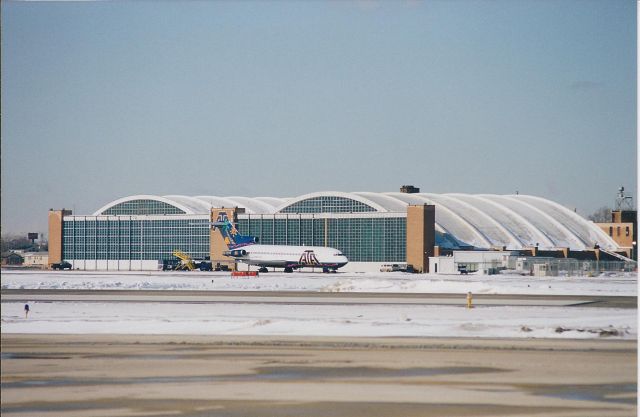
321	320
389	282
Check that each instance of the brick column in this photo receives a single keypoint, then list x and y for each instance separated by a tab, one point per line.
421	236
55	234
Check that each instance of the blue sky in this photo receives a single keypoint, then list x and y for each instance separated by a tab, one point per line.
101	100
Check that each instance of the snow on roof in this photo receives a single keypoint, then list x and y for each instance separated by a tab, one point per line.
482	220
194	205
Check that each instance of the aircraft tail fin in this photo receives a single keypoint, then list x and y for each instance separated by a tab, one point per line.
230	234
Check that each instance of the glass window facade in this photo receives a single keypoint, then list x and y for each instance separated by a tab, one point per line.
370	239
129	239
142	207
361	239
328	205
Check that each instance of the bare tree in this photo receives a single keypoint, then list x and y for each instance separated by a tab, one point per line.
602	215
13	242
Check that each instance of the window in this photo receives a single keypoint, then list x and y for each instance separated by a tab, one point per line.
135	239
142	207
359	239
327	205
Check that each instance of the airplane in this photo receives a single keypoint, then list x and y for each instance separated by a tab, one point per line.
247	250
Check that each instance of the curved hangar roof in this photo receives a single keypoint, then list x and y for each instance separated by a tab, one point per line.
180	204
480	220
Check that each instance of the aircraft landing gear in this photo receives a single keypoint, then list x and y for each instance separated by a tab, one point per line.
325	270
288	270
262	270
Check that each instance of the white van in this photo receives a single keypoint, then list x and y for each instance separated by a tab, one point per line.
391	268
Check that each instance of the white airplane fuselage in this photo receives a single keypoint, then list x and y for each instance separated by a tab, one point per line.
282	256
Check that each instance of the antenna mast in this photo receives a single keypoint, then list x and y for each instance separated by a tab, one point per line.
623	202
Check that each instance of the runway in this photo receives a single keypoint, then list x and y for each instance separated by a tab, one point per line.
310	298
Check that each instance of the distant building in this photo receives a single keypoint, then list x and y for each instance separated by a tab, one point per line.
12	259
371	228
623	230
528	262
36	259
485	262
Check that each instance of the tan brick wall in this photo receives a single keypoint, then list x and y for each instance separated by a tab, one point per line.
55	235
619	233
420	236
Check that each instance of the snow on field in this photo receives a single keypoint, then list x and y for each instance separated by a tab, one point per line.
320	320
389	282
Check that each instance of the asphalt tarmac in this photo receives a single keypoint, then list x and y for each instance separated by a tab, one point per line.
283	297
193	376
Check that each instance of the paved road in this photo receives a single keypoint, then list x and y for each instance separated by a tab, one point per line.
283	297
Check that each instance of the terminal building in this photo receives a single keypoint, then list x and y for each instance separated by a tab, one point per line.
141	232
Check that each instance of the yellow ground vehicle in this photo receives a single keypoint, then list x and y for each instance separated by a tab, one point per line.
186	263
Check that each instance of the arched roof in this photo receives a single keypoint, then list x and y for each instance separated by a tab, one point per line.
180	204
365	204
125	204
257	205
272	201
195	205
219	202
252	205
480	220
487	220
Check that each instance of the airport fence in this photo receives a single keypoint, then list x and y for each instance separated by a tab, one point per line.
563	267
575	267
572	267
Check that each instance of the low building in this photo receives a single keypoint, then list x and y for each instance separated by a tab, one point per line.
587	263
12	258
483	262
36	259
623	230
